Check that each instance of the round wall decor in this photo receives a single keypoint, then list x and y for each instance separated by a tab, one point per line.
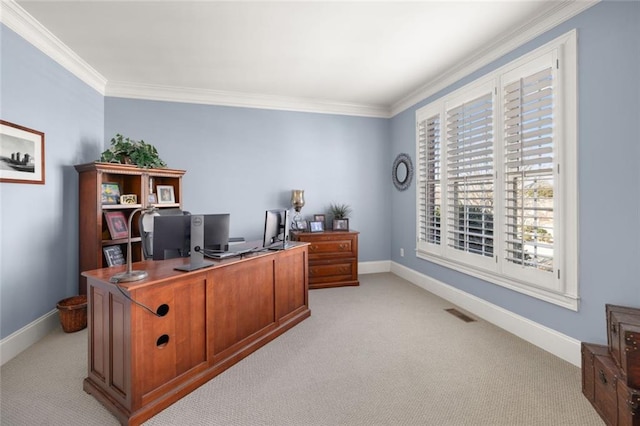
402	171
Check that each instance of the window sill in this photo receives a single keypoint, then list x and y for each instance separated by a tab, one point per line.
561	299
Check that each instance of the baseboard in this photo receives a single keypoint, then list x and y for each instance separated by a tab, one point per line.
374	267
558	344
21	339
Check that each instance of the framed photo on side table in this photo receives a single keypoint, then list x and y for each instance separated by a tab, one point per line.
316	226
340	224
21	154
165	194
117	224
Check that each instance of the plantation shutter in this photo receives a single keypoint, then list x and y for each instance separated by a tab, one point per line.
429	180
529	171
470	176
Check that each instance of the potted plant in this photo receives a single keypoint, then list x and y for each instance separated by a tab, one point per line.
340	213
128	151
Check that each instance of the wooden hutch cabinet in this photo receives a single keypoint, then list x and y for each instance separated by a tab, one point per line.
94	233
333	257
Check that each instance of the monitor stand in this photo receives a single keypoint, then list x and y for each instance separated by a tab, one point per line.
196	260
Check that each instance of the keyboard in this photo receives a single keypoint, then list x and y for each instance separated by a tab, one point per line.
234	250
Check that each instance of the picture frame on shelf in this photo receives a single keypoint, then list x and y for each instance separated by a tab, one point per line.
117	224
300	225
340	224
21	154
166	194
113	255
129	199
110	193
320	218
316	226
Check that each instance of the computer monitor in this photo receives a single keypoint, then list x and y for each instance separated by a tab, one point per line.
276	229
172	235
216	232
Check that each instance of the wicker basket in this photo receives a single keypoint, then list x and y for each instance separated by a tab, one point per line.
73	313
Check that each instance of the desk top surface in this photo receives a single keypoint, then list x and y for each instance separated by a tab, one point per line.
160	270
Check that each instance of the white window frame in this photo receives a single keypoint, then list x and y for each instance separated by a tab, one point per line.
559	287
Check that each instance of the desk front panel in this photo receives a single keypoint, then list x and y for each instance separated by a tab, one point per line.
169	346
241	306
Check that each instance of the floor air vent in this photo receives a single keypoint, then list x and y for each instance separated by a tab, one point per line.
460	315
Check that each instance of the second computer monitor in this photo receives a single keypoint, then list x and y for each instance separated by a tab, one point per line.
172	235
276	229
216	232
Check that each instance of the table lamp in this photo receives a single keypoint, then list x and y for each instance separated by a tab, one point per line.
297	201
131	275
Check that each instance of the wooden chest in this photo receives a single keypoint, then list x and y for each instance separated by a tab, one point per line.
589	352
617	404
611	374
333	257
623	335
605	392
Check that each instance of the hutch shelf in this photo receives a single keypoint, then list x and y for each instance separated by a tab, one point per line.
94	232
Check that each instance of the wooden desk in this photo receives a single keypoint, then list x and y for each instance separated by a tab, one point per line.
140	363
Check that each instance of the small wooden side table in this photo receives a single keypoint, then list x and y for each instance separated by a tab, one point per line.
333	257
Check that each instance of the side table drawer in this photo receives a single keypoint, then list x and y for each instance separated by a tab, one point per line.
334	248
320	272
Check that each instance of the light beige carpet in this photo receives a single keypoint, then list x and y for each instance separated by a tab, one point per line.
384	353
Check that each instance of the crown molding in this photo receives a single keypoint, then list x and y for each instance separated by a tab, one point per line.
23	24
556	14
18	20
121	89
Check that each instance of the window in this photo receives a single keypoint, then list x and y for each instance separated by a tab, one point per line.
429	179
497	176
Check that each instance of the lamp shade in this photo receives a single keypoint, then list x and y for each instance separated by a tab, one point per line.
297	199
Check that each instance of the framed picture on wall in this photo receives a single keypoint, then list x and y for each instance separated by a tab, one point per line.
21	154
165	194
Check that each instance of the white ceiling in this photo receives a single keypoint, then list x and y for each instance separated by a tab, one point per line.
367	56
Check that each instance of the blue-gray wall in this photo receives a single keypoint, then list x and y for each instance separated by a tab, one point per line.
258	156
608	173
39	223
244	161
